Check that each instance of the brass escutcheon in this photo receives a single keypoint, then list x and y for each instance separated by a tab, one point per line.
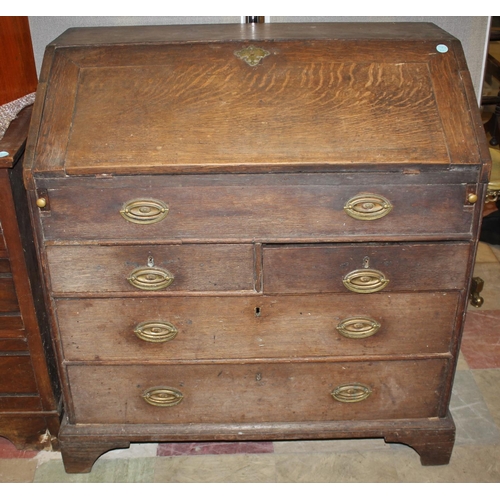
359	327
144	211
365	281
150	278
163	396
155	331
252	55
351	393
367	206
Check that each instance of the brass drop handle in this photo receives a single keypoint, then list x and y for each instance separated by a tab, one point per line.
359	327
351	393
144	211
365	280
155	331
163	396
368	206
150	277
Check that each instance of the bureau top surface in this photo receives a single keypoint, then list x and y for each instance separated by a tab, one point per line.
244	98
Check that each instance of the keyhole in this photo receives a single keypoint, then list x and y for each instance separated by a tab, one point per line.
257	311
151	261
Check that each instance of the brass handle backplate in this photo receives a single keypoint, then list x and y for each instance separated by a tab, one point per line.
144	211
163	396
359	327
368	206
365	281
150	278
351	393
155	331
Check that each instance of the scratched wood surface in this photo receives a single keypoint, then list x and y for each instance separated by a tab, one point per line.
162	107
283	392
210	328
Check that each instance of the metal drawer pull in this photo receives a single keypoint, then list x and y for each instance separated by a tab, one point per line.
365	281
163	396
368	206
144	211
351	393
358	328
155	331
150	278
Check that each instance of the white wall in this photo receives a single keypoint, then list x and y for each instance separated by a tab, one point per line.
472	31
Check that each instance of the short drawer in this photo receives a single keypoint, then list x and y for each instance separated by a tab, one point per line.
17	375
365	268
149	269
265	208
11	325
8	296
212	328
277	392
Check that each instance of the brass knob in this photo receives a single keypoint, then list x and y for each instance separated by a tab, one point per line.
472	198
41	202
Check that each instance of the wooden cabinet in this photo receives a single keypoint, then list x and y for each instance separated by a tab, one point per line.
256	232
29	401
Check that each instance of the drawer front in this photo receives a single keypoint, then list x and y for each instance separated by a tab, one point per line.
17	375
172	268
365	268
286	392
11	326
5	266
210	328
8	297
20	403
295	210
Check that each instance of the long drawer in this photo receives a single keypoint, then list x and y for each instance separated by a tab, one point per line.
331	207
210	328
365	268
193	268
279	392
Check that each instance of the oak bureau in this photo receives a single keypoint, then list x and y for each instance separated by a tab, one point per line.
256	232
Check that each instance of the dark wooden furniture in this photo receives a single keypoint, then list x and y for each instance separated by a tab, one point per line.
256	232
29	413
17	72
